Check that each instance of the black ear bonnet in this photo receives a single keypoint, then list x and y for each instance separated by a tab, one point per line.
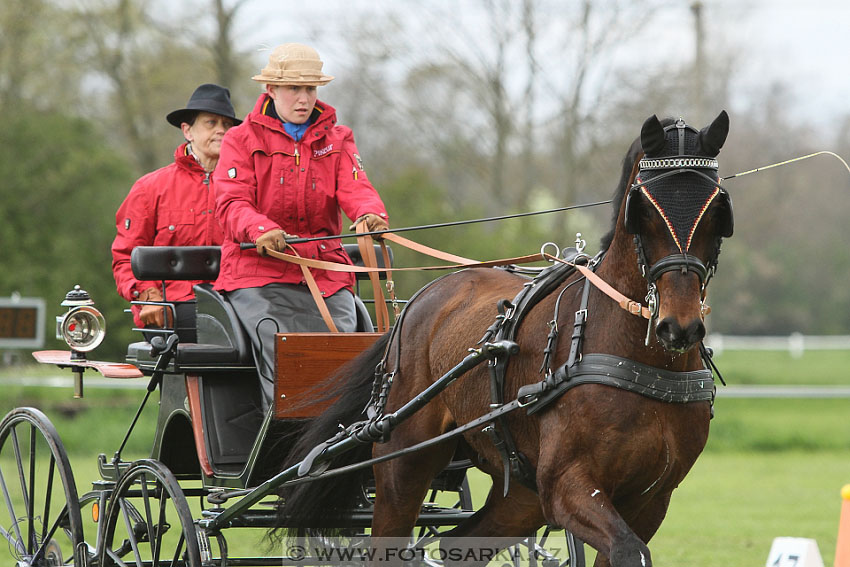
678	176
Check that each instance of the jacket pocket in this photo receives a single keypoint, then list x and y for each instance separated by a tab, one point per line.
174	227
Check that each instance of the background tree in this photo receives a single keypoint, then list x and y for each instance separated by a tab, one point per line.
461	111
55	223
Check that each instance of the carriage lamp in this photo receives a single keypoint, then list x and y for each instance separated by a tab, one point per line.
82	328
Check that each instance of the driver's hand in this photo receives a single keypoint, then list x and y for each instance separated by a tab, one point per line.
272	240
374	223
152	315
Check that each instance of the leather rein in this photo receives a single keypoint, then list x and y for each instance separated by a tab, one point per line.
459	262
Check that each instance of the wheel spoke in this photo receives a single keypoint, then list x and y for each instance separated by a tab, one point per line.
122	502
48	534
154	535
148	497
32	539
42	503
51	470
17	540
115	558
160	526
19	460
178	551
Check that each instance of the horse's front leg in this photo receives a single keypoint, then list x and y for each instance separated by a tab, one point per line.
582	507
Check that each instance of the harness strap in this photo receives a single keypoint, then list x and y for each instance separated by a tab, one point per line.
633	307
578	326
684	262
511	314
317	296
367	252
610	370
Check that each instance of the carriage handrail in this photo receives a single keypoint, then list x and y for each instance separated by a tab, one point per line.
360	433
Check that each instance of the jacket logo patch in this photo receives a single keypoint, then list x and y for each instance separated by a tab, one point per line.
126	224
323	151
231	173
359	161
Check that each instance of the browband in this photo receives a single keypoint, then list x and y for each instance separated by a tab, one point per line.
676	162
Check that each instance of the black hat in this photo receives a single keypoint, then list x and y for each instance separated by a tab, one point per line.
206	98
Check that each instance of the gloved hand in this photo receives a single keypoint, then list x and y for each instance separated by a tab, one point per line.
274	239
374	223
152	315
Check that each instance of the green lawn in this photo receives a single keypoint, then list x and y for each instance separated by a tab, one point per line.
772	467
813	368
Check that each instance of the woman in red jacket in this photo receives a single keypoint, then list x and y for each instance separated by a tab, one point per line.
173	206
289	169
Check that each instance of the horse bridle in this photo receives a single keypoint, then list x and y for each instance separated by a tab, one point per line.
681	261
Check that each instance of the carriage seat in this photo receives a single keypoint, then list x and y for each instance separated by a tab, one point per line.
222	342
203	262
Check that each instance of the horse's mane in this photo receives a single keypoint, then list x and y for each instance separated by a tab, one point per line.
620	192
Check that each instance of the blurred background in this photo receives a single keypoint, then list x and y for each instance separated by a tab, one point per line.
461	110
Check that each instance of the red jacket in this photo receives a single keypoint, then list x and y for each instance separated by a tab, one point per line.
172	206
265	180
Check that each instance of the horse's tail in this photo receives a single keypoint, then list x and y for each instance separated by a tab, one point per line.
316	506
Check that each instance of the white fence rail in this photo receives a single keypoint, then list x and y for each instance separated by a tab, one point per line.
795	343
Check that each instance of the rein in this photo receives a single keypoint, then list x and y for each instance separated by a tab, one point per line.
633	307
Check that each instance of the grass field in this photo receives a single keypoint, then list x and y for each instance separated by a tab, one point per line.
772	467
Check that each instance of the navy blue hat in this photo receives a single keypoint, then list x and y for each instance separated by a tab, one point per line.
206	98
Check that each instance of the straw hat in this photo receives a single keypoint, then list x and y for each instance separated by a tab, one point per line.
293	64
207	98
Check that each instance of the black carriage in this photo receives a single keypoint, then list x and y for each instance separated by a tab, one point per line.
215	454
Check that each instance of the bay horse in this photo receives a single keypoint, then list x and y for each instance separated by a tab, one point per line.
600	459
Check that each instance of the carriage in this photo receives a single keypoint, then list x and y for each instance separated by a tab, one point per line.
212	442
218	463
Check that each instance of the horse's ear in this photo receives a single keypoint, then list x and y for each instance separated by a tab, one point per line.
712	137
652	136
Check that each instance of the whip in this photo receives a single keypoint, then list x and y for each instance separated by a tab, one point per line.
801	158
440	225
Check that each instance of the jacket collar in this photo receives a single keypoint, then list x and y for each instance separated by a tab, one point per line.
264	113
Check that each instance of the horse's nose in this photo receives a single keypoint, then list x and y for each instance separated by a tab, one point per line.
676	338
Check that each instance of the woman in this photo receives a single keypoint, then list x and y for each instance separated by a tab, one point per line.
288	170
173	206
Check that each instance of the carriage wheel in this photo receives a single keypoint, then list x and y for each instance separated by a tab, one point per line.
148	521
544	555
42	524
551	548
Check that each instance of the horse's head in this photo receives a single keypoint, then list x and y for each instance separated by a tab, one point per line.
678	213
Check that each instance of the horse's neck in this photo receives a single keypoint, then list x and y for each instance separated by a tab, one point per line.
620	268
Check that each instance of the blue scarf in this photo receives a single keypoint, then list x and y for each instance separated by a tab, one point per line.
296	130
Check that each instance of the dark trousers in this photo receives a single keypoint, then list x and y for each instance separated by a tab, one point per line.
285	308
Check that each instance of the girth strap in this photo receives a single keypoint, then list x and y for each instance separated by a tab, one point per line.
506	326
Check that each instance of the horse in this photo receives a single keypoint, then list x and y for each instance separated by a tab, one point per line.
602	456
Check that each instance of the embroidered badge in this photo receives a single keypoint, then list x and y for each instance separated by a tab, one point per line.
231	173
126	224
359	161
323	151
